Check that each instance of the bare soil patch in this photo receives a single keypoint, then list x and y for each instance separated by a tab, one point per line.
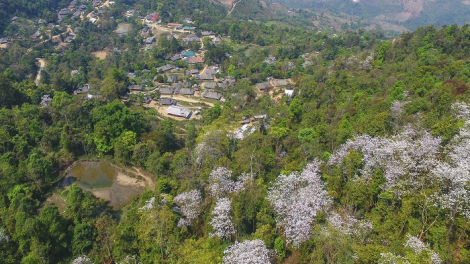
56	200
123	28
100	54
161	109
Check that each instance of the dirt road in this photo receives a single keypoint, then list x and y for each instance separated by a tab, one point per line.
42	65
233	7
147	178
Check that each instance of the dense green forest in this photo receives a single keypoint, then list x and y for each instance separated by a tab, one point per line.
366	162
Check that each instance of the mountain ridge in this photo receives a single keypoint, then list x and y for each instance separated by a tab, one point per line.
409	13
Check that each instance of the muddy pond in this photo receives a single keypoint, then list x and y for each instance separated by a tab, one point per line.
104	181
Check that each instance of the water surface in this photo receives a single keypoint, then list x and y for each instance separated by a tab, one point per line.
104	181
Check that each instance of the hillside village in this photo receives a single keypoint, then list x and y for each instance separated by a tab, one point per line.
175	91
234	132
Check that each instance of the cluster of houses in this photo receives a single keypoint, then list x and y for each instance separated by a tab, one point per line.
222	83
188	56
74	8
271	83
278	83
151	18
178	88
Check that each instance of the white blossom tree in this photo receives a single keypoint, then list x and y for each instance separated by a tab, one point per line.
189	203
149	205
454	178
82	260
454	173
349	225
406	159
247	252
221	183
419	253
4	235
390	258
214	145
221	221
461	110
296	199
129	260
396	111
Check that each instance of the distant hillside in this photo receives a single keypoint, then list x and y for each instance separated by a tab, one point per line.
45	9
409	13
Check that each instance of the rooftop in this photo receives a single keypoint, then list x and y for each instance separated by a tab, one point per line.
212	95
178	111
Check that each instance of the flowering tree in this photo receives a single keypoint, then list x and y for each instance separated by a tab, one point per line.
248	252
406	158
222	221
349	225
419	252
148	204
296	199
221	183
4	235
461	110
189	203
418	247
396	111
129	260
82	260
454	175
213	146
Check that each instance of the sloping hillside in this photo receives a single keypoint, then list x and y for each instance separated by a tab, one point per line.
410	13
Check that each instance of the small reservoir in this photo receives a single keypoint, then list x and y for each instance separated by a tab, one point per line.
104	181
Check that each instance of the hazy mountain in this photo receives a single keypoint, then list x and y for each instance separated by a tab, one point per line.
409	13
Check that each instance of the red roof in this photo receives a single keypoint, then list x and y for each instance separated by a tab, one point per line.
196	59
174	24
154	18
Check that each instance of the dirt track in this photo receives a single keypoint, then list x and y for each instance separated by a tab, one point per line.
42	65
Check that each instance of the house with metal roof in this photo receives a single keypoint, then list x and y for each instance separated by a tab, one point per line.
167	90
135	87
149	40
178	111
186	91
280	82
206	77
167	101
210	85
165	68
207	33
264	86
212	95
